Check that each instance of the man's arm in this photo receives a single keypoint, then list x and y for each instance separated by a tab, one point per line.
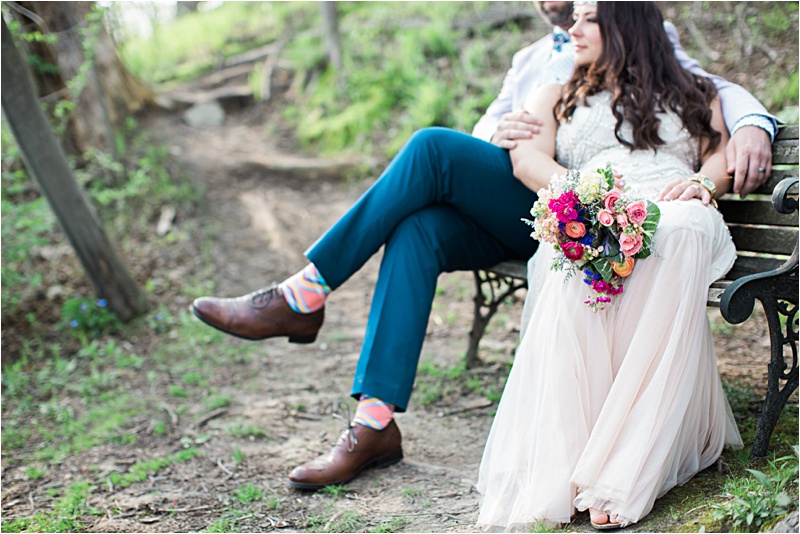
752	128
486	126
501	123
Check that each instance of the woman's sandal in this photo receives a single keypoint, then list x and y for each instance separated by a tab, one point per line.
607	525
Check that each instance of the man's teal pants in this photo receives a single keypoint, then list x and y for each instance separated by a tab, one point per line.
447	202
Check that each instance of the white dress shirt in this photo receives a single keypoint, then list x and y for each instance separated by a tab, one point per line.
529	70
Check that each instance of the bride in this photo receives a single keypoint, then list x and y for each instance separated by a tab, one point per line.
608	410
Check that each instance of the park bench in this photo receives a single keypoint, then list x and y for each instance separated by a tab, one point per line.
765	233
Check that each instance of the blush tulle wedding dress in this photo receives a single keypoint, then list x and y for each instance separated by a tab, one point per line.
610	410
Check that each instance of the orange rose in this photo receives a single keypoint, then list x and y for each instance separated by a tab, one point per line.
574	229
623	269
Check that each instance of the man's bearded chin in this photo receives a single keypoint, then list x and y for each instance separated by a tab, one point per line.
560	16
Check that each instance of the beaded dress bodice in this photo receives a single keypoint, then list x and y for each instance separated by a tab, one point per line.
587	143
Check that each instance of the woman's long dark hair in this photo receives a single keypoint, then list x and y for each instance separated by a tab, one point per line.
639	68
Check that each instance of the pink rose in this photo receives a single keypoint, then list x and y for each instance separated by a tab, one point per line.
574	229
622	221
605	217
610	200
637	211
630	244
573	251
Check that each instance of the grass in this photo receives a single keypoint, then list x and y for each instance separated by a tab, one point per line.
65	515
196	42
215	402
226	523
345	521
337	492
436	382
247	494
396	524
245	430
139	471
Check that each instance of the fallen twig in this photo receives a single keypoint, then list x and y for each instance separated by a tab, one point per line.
335	516
212	415
482	403
182	510
222	466
172	415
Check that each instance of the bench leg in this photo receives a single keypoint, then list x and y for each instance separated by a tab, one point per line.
490	291
778	370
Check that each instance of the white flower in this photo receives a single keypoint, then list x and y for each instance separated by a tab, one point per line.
592	187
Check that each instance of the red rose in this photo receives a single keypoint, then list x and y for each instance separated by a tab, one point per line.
572	250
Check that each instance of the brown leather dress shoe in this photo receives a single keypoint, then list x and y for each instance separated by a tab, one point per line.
358	448
259	315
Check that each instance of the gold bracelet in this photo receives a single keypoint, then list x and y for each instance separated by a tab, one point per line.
706	183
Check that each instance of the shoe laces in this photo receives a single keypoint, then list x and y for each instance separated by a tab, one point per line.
263	297
349	433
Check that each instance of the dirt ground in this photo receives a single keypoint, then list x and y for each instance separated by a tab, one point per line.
266	219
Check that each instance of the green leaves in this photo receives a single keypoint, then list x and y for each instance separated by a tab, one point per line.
602	266
608	173
649	226
756	501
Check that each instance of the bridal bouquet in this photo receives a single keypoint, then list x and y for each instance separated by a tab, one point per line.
595	228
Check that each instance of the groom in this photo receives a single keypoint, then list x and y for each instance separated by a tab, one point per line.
434	210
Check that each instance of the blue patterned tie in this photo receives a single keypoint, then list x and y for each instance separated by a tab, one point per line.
561	62
559	38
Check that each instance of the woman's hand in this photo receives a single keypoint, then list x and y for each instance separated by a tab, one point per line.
619	183
685	189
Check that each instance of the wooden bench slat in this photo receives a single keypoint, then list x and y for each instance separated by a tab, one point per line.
747	265
766	240
785	152
754	212
775	177
788	133
513	268
715	292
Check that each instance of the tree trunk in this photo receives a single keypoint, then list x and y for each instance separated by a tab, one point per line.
330	28
47	165
109	91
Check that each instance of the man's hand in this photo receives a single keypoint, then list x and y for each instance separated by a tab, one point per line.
749	154
515	125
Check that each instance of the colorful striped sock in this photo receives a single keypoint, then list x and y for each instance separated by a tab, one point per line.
306	291
373	413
